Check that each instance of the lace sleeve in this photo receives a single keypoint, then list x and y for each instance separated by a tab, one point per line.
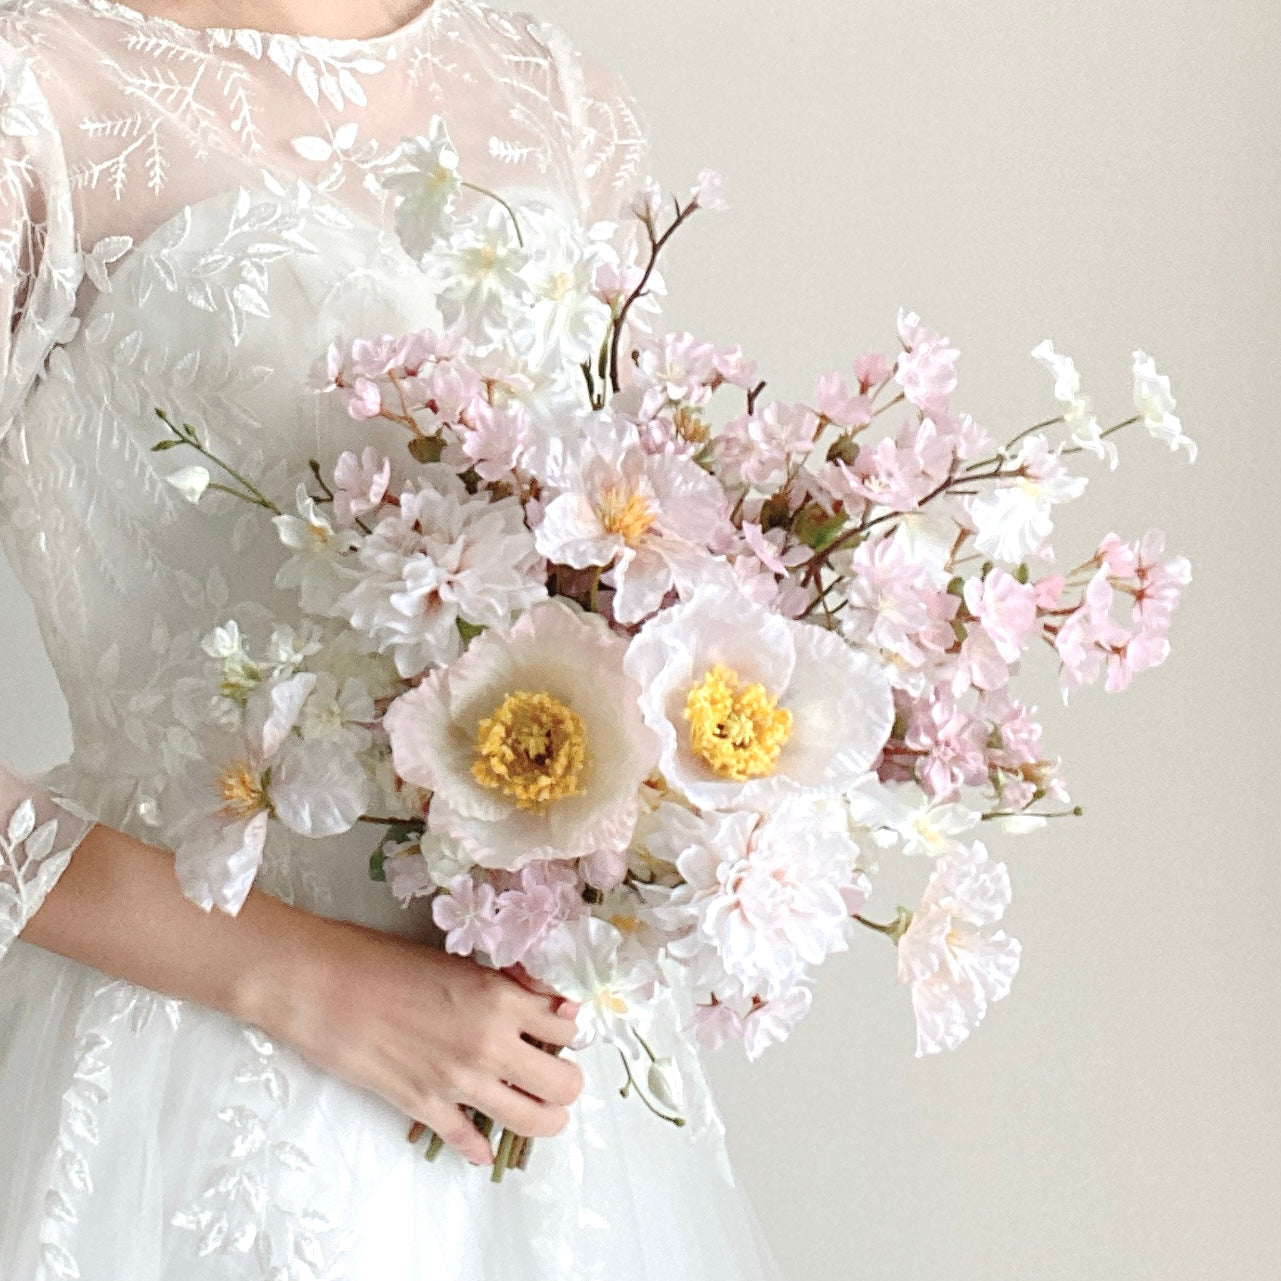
38	272
39	264
609	131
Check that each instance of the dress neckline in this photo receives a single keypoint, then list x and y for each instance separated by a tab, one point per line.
428	14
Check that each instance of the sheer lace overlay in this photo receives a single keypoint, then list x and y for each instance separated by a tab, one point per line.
187	218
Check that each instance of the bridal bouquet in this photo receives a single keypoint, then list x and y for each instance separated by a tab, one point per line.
637	672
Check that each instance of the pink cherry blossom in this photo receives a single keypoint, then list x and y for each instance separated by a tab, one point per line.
468	913
359	484
927	369
871	369
1006	609
761	446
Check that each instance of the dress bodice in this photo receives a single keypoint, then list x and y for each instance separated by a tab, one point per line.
187	219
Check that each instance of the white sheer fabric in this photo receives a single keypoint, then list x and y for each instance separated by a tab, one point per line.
186	219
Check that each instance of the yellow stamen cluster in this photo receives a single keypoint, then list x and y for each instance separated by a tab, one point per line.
626	514
243	789
739	732
533	749
690	426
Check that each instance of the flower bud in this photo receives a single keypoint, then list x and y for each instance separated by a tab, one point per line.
665	1084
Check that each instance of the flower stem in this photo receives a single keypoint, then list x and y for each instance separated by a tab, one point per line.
503	1158
484	191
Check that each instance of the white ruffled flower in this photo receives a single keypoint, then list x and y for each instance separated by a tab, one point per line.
564	322
762	898
315	568
531	742
649	517
1153	399
338	714
442	556
588	961
1013	521
749	706
476	277
428	188
1078	414
955	969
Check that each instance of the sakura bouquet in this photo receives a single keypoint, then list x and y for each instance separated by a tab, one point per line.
640	673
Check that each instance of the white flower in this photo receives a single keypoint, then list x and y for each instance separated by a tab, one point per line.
531	742
475	275
245	777
1077	412
587	961
190	482
923	825
1152	398
428	189
443	555
318	551
564	322
338	714
649	517
774	1021
1013	520
955	970
749	706
764	894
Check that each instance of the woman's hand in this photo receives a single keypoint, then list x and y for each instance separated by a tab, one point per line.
428	1031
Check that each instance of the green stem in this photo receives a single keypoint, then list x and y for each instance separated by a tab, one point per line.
484	191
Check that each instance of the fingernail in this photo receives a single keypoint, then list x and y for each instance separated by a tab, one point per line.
569	1009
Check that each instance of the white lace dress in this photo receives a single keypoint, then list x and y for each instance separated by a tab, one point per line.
186	219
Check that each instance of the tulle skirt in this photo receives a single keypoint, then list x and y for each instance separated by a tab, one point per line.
146	1139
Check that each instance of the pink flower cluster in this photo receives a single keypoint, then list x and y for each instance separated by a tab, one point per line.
1091	640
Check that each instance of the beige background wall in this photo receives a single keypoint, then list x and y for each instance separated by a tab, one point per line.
1105	174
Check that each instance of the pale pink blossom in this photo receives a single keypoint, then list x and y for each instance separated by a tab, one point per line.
677	369
775	1020
871	369
360	484
648	518
735	367
845	408
524	916
468	913
761	446
709	191
716	1023
953	745
1006	609
926	370
955	968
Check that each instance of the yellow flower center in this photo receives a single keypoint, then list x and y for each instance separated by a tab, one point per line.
626	514
243	790
739	732
533	749
690	426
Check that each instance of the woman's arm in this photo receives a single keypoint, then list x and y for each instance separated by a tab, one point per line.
426	1030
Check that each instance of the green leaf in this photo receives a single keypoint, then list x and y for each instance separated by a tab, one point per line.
378	866
818	530
468	631
167	444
